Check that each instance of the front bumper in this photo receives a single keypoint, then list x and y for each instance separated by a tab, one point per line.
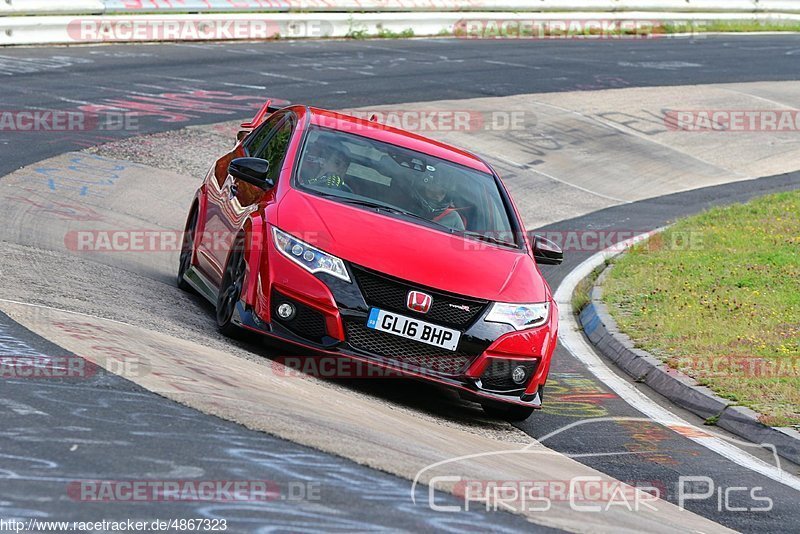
331	320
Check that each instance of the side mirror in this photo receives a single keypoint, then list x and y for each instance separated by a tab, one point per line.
546	252
251	170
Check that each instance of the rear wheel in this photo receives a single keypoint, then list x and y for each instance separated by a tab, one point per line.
509	412
230	290
187	250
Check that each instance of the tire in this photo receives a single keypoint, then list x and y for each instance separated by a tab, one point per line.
511	412
187	249
230	290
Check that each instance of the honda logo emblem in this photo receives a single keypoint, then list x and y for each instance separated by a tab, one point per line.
419	302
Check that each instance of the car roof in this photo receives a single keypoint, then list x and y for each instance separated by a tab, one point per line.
395	136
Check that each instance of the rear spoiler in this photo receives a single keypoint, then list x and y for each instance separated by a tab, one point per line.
266	110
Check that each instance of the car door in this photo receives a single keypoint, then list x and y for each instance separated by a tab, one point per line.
231	200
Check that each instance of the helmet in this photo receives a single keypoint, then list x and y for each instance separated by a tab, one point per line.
333	147
432	190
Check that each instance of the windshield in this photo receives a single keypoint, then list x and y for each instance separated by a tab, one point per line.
404	183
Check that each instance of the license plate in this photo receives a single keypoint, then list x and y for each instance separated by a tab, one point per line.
415	329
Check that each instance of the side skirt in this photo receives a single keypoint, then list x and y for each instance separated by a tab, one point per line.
201	284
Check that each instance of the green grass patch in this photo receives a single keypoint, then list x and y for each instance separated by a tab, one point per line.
733	26
383	33
718	297
582	295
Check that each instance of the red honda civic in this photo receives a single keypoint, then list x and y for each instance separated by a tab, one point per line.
356	240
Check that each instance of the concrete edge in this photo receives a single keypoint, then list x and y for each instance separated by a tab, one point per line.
601	330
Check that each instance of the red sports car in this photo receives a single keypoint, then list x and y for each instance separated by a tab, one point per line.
355	240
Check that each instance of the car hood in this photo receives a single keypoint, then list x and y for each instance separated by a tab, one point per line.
412	252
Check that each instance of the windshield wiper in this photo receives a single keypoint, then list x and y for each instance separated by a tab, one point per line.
381	207
387	207
489	239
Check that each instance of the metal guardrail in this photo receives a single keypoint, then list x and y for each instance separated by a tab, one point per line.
127	6
98	21
100	7
84	29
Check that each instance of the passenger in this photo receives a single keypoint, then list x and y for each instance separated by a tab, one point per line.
433	194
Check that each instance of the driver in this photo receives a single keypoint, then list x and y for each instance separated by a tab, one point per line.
335	161
433	194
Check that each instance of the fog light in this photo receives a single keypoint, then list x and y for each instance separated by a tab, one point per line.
286	311
519	374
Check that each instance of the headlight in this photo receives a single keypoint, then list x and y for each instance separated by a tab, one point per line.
520	316
311	259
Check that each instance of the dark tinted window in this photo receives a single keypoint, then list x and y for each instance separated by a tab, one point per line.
257	139
275	146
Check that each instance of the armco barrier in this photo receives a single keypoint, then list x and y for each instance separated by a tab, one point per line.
127	6
244	26
84	7
779	6
258	26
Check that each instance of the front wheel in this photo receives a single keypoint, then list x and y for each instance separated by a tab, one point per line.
230	290
510	412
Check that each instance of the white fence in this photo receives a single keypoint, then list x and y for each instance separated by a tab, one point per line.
99	7
84	29
85	21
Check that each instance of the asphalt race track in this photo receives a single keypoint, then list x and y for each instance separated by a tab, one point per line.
352	74
60	431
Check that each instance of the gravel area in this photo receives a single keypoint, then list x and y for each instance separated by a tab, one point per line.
190	151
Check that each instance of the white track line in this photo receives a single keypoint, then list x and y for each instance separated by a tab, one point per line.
292	78
81	314
571	337
559	180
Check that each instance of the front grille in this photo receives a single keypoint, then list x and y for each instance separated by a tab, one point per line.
307	323
407	352
391	294
497	376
